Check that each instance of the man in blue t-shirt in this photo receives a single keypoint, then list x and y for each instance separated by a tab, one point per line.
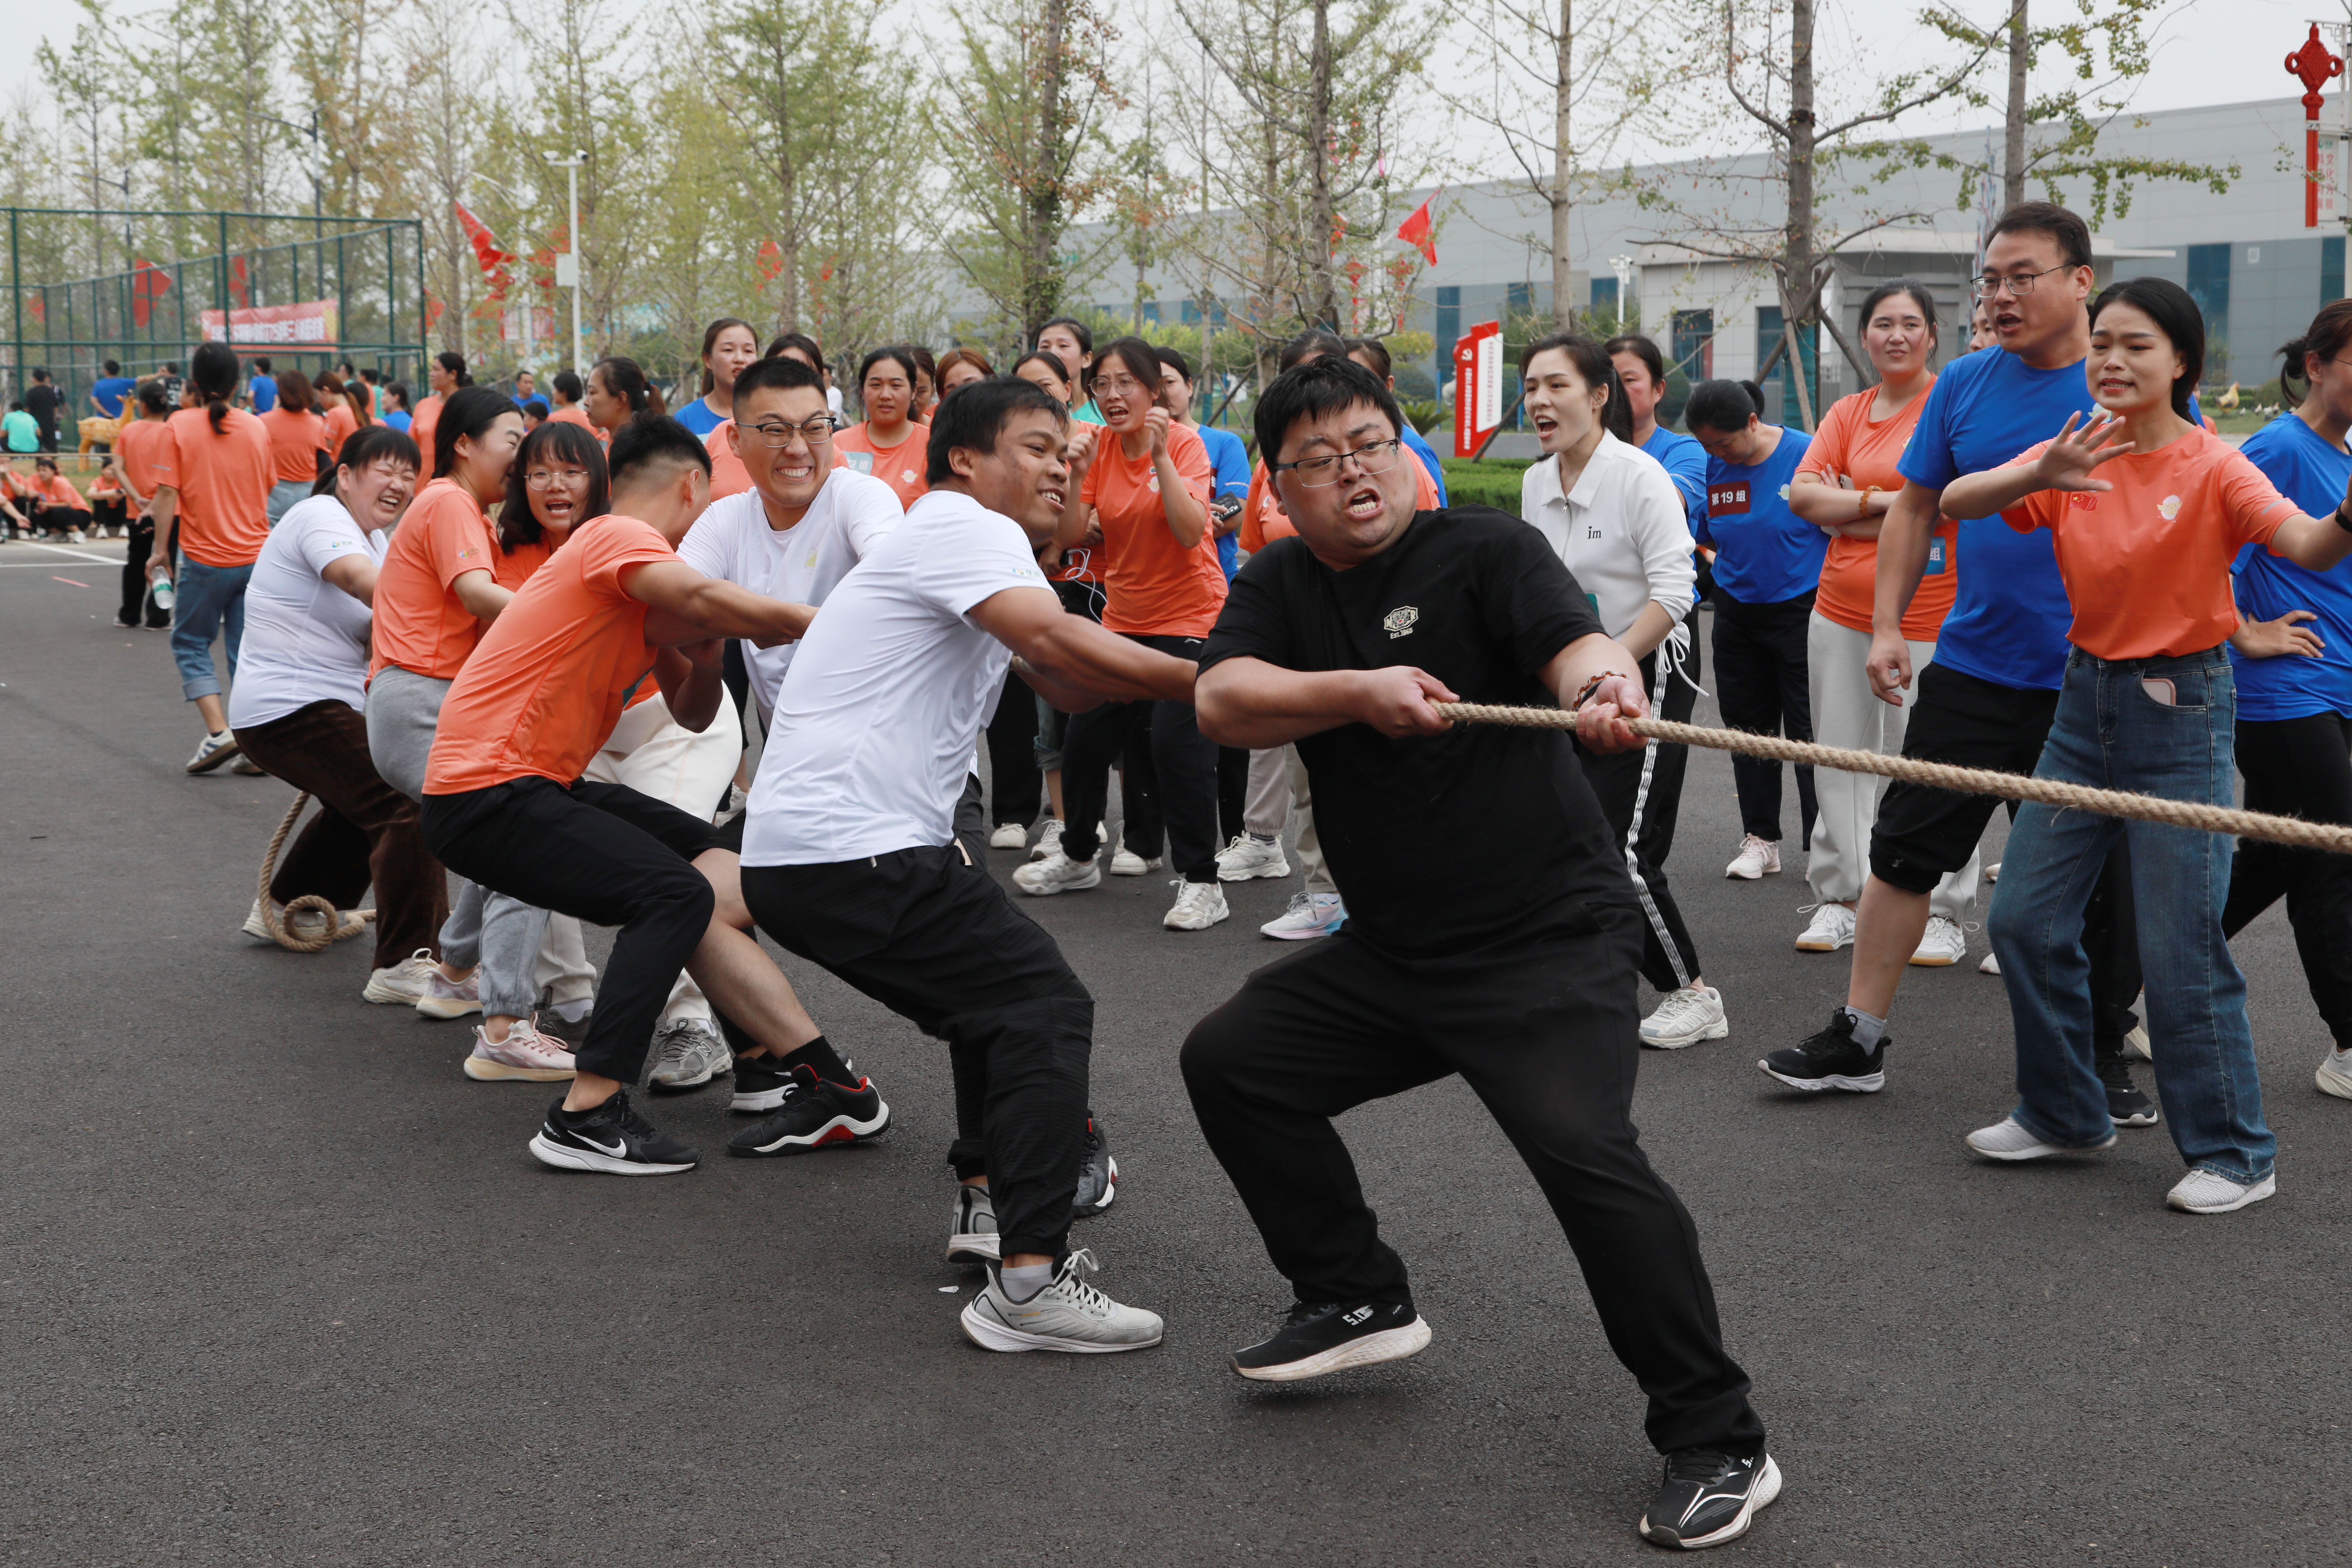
107	393
1987	698
262	390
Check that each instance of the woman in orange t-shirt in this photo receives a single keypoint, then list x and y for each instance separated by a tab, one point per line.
62	510
891	443
105	500
2146	513
1844	486
450	570
1145	482
297	436
447	374
143	436
213	474
348	409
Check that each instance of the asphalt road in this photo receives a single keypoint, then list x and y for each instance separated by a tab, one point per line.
277	1284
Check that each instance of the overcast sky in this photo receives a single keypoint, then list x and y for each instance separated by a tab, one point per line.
2211	51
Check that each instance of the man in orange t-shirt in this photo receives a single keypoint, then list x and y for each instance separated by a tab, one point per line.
213	474
506	806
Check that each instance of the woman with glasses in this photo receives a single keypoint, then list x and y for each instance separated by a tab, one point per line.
727	345
1145	480
1768	564
1844	487
889	443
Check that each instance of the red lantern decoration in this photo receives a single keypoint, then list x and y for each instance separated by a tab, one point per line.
2314	67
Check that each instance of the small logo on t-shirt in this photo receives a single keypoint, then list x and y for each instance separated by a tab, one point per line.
1400	622
906	476
1153	483
1726	500
467	554
2169	508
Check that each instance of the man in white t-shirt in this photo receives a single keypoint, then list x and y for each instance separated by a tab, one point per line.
850	858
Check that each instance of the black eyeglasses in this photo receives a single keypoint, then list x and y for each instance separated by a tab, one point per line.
2018	285
1372	457
776	436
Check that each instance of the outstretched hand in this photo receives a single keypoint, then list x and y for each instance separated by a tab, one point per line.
2066	463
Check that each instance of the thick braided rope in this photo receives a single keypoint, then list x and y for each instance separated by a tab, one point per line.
1966	780
339	925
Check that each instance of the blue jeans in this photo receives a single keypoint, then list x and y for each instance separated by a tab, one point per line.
2112	734
211	599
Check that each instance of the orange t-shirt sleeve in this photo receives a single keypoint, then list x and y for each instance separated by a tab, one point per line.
163	457
2251	504
1192	466
1832	450
456	542
2039	510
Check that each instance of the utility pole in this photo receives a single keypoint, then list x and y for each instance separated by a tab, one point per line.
567	266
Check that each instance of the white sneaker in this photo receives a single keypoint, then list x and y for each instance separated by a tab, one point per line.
1756	857
1128	863
1943	945
1310	915
215	751
1008	836
971	1232
1684	1018
525	1056
1246	858
445	998
304	923
2136	1043
1990	964
1057	873
1831	928
1067	1315
73	536
2335	1075
2009	1139
1049	838
1199	906
403	983
2208	1191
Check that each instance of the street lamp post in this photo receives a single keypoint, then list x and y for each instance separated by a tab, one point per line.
567	266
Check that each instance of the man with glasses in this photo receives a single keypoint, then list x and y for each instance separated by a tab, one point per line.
1987	699
1516	969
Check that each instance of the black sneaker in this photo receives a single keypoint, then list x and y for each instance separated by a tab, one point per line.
1708	1498
2127	1106
761	1084
1332	1336
1830	1061
613	1139
572	1033
817	1114
1097	1174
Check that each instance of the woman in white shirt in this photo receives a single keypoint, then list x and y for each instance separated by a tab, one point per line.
1613	514
301	684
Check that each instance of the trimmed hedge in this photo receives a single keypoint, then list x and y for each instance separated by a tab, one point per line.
1493	482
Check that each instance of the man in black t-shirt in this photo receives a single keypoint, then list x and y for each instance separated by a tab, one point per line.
1515	968
41	401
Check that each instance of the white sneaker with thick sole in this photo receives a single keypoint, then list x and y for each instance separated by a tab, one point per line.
445	998
1831	928
1756	857
404	982
1943	945
2209	1192
1067	1315
1008	836
1684	1018
1246	858
1199	906
1128	863
2335	1075
1308	915
524	1056
1057	873
215	751
1049	838
2009	1139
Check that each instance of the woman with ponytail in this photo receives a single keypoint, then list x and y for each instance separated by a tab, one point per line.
448	375
213	474
2292	657
617	392
727	345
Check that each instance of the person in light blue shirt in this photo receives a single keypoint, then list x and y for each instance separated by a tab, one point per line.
2292	656
1768	563
1374	355
1642	372
1229	461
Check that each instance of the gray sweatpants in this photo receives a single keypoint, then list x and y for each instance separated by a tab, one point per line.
500	933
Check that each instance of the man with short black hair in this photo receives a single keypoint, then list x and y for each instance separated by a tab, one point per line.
1987	699
505	803
1516	969
262	389
42	402
850	856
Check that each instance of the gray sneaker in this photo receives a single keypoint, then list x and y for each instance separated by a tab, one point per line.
570	1033
688	1053
1067	1315
971	1233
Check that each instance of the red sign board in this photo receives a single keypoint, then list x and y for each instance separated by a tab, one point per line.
308	325
1477	386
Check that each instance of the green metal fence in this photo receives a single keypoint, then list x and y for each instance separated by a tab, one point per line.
143	287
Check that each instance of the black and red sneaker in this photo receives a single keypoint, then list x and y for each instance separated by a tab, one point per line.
816	1113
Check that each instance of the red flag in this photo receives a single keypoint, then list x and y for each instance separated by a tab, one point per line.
1414	231
149	283
771	259
433	309
486	251
238	289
